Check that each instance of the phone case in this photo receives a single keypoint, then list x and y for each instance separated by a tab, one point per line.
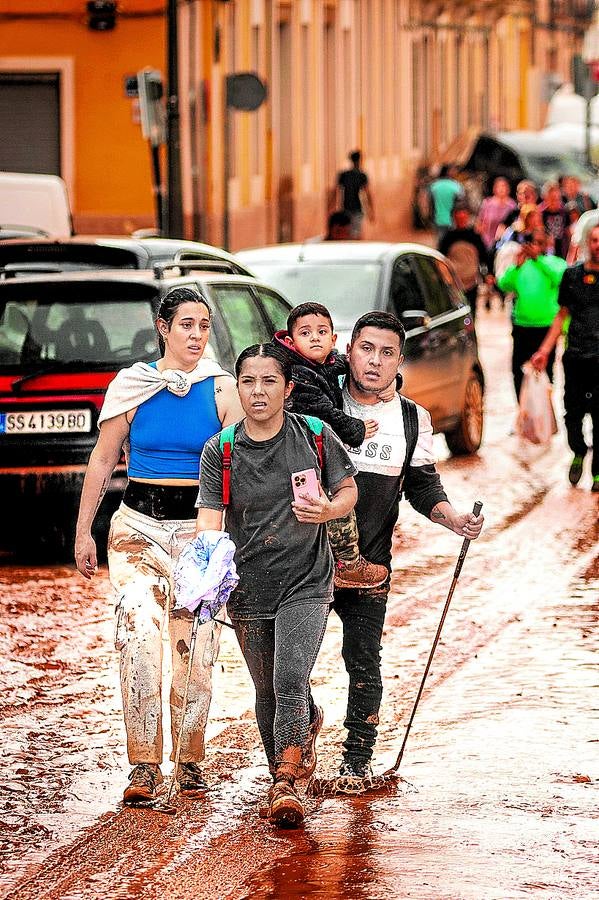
304	482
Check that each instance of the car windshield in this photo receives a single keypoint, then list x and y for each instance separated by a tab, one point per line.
47	329
346	288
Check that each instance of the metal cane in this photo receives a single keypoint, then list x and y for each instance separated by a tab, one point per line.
165	806
329	787
476	511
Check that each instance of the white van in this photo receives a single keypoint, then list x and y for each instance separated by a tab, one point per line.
36	204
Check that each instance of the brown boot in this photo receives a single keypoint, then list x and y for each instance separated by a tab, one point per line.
143	782
360	574
286	808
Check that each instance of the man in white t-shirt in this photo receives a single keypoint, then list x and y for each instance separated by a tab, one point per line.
375	355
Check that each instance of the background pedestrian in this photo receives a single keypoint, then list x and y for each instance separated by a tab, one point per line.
354	194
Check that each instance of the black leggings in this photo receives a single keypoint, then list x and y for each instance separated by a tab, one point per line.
526	342
280	654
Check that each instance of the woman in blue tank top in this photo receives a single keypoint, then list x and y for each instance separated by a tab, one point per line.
162	414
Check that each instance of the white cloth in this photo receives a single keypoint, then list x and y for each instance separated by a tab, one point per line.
133	386
384	453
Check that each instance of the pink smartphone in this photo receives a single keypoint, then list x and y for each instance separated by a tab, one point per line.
304	482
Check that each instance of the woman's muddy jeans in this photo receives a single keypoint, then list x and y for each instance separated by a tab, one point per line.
141	555
280	654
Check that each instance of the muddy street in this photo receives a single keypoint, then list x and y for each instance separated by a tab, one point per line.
499	789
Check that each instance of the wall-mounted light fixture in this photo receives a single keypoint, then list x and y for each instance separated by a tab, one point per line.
101	15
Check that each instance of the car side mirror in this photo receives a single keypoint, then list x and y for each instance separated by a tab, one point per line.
415	318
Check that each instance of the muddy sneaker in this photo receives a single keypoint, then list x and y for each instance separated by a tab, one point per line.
286	808
361	574
575	472
309	757
189	777
143	782
264	808
354	778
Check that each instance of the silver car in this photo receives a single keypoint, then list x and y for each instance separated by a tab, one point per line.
442	371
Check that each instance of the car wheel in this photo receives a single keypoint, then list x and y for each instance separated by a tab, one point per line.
468	435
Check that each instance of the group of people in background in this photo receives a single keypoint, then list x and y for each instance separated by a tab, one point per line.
522	249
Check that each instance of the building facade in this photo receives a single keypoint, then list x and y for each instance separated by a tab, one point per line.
399	79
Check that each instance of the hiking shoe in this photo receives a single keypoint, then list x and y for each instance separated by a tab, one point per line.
286	808
595	485
189	778
360	574
576	469
143	782
309	756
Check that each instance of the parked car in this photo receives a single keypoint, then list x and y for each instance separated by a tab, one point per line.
62	339
35	201
442	370
19	257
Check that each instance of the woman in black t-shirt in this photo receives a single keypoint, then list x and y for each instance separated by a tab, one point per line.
280	606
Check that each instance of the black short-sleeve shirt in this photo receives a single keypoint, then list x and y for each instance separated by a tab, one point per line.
279	560
579	292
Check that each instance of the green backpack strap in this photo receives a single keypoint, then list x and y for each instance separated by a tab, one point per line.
226	441
316	425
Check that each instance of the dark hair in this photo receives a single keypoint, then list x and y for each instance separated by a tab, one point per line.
339	217
307	309
171	302
355	156
444	172
384	320
271	350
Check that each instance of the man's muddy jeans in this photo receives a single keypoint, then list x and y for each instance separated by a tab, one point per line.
280	654
141	555
362	613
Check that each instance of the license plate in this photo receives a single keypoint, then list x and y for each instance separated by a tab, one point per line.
48	421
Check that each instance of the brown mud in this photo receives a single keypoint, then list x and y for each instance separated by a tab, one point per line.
501	771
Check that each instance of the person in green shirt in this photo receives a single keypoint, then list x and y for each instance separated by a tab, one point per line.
534	279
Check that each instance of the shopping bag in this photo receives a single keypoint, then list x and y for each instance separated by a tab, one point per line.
536	418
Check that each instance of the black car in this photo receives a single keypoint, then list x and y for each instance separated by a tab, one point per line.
62	339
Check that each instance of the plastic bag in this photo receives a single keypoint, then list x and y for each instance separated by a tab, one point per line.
536	418
205	574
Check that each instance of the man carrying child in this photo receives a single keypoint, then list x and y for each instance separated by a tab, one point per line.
309	345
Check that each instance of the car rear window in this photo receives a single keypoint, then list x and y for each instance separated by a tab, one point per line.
28	257
347	289
66	325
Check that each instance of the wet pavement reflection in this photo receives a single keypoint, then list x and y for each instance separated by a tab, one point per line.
500	798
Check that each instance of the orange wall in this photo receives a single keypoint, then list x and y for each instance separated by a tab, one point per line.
112	180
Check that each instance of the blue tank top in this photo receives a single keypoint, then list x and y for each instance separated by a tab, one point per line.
168	433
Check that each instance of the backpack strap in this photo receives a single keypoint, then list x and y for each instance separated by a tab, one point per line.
316	425
410	424
226	441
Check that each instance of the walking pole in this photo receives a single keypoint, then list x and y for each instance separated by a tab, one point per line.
165	806
476	511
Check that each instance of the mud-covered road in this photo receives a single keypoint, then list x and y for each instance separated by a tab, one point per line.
501	790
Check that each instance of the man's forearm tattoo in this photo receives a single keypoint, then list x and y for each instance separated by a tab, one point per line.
437	515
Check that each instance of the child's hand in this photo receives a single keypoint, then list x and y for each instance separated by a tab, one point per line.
388	393
371	428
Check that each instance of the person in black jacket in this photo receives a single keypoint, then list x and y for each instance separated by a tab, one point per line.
318	369
465	248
